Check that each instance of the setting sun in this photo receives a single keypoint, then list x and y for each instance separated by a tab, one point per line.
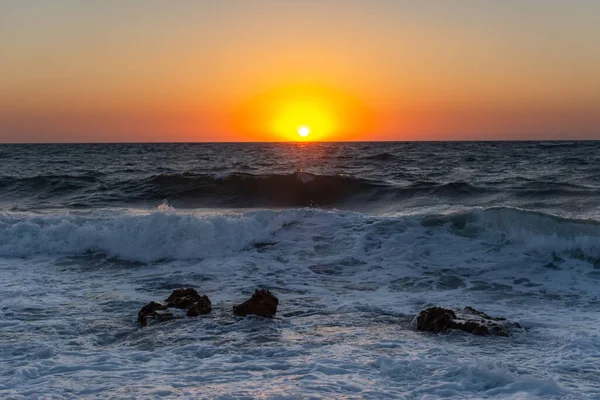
305	112
303	131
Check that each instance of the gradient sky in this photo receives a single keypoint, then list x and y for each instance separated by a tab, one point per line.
251	70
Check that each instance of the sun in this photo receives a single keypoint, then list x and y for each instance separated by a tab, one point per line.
301	113
303	131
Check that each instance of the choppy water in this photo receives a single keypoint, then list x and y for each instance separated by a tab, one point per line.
353	238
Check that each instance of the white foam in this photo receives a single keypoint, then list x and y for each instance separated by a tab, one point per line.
151	237
348	284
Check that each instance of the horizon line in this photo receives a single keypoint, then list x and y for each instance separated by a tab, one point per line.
310	142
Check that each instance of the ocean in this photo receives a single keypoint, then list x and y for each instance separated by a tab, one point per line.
353	238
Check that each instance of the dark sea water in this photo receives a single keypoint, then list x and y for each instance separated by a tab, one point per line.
354	239
560	177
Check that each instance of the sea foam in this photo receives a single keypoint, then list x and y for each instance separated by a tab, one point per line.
166	234
151	237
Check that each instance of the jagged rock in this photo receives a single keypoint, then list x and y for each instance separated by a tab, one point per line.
183	298
262	303
434	319
150	310
441	320
201	307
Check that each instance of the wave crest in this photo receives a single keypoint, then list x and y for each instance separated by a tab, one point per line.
539	232
166	234
146	238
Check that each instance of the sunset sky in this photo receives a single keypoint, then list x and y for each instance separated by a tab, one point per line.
260	70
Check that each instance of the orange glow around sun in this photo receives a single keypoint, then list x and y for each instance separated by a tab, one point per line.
302	113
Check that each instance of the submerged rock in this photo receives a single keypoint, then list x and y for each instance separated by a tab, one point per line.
150	311
442	320
181	299
262	303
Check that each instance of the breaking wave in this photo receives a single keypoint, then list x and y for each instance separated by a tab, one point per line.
167	234
152	237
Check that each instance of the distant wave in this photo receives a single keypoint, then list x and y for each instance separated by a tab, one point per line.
559	144
48	188
237	189
243	189
447	189
382	157
50	182
299	189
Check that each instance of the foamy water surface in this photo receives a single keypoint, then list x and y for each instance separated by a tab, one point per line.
76	269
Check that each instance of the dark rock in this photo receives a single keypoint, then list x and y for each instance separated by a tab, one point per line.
150	310
180	298
434	319
262	303
166	316
183	298
201	307
441	320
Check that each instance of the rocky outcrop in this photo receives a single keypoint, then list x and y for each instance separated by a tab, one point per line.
181	299
189	299
262	303
199	307
151	312
442	320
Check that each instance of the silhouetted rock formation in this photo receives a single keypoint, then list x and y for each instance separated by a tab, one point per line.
441	320
262	303
182	299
